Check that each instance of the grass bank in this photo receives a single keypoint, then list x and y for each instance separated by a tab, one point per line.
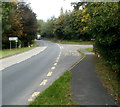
109	78
75	42
89	49
8	52
59	93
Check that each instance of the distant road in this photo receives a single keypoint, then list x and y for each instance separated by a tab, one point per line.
24	80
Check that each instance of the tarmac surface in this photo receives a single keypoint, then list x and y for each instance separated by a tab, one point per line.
87	88
25	75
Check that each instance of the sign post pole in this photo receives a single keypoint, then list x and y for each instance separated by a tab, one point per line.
10	44
16	43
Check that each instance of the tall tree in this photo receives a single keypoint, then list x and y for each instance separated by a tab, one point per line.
29	24
18	20
11	25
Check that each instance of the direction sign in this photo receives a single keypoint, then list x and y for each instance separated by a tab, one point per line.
13	38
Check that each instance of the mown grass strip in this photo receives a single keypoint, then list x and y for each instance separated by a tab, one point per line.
75	42
8	52
89	49
59	93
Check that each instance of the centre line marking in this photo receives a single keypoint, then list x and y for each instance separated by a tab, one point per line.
56	60
60	47
30	99
53	68
35	94
49	74
59	53
43	82
55	64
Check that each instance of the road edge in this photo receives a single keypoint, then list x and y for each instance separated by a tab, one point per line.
83	55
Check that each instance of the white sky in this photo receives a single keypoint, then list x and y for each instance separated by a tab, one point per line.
45	9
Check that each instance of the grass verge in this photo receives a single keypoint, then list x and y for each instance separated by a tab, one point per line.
75	42
8	52
108	78
89	49
57	94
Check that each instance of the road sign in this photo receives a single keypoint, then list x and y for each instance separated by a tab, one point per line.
13	38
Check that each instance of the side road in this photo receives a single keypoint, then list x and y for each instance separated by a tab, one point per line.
6	62
87	88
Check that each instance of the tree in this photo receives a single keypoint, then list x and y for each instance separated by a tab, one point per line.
77	5
29	24
18	20
104	25
93	20
11	25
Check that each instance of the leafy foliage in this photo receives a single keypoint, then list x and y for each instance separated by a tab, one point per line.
29	24
18	20
105	27
98	20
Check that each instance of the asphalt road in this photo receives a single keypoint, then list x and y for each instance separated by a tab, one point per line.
23	81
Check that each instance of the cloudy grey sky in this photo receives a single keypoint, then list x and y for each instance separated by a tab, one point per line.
47	8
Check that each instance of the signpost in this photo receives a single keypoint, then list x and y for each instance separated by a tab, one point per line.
13	39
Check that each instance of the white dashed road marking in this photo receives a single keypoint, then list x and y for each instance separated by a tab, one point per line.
30	99
55	64
43	82
49	74
58	45
35	94
59	55
53	68
56	60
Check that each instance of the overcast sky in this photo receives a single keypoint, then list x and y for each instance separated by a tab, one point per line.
45	9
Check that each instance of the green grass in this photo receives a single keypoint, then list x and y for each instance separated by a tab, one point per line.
89	49
109	78
59	93
8	52
75	42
